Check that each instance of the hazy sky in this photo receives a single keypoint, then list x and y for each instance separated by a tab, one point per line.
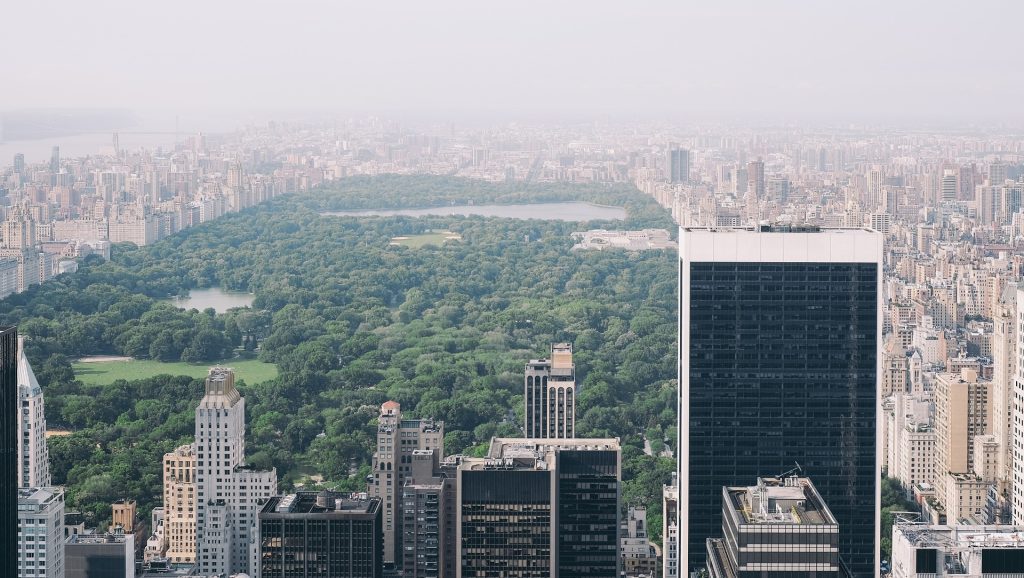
767	58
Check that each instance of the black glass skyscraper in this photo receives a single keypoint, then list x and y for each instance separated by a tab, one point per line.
779	330
9	449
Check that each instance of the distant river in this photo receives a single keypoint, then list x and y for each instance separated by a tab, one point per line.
214	297
572	211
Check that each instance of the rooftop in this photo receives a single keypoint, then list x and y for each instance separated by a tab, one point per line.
321	503
791	500
535	453
926	536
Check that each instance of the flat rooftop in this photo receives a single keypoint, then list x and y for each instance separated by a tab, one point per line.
780	244
533	453
780	501
319	503
926	536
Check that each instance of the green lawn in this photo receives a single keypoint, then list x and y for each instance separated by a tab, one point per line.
105	372
417	241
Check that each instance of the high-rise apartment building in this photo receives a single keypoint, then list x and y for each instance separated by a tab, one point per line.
550	395
40	539
229	493
428	519
1017	401
961	413
180	504
320	535
755	179
34	459
677	165
10	447
1004	371
779	337
397	439
536	508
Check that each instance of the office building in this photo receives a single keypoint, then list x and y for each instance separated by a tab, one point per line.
40	540
397	439
33	456
550	395
10	447
920	550
670	528
779	340
110	555
677	165
55	160
229	493
756	520
320	535
535	508
19	163
180	504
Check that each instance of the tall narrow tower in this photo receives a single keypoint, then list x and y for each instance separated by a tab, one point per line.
778	364
229	493
550	389
34	458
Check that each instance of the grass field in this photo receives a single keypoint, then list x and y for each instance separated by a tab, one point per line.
433	238
105	372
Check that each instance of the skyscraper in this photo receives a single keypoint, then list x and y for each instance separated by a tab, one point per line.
55	160
9	450
550	395
535	508
19	163
397	440
230	493
33	456
677	165
779	331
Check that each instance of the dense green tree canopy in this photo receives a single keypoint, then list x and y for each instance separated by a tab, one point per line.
352	321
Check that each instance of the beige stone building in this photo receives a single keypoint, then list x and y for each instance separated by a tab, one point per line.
961	414
179	504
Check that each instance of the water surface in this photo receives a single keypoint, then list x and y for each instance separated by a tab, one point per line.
215	297
570	211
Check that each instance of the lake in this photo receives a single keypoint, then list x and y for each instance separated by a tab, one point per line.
214	297
571	211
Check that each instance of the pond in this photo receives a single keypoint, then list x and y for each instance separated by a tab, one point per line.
215	297
570	211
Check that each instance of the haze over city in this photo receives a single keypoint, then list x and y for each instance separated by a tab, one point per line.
873	60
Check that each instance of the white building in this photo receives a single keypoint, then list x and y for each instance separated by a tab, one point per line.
670	529
920	550
34	458
41	533
1018	419
229	492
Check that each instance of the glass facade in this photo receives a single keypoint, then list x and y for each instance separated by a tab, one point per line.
331	544
588	514
782	370
9	451
506	524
